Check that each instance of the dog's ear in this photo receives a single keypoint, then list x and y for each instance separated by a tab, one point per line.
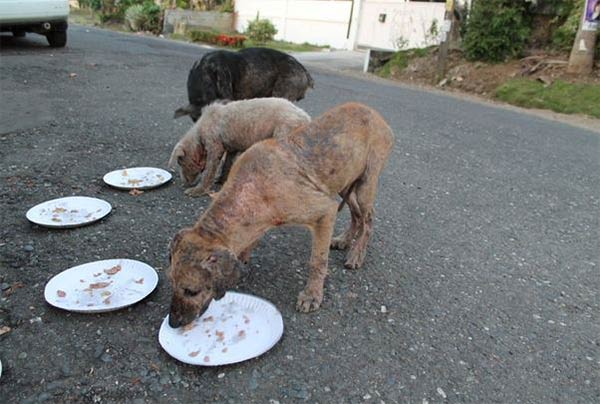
178	151
225	269
183	111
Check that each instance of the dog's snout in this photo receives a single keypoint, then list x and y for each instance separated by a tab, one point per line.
174	321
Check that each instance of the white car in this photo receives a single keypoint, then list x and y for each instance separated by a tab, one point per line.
45	17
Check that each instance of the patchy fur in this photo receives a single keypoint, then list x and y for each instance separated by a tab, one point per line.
248	73
229	129
293	180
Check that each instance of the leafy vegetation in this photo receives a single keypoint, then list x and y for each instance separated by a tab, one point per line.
560	96
400	61
232	40
261	30
144	17
496	30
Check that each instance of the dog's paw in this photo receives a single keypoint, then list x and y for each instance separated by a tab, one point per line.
194	192
338	243
308	302
355	259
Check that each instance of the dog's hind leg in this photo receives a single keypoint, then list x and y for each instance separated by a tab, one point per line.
322	229
344	240
366	191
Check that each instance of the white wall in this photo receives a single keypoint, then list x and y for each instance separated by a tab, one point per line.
318	22
404	19
325	22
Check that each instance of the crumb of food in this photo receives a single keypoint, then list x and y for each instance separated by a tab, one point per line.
135	192
209	318
90	304
242	334
159	176
98	210
74	211
77	302
220	335
113	270
88	216
105	293
188	327
133	181
82	280
61	293
139	281
224	350
246	319
207	358
59	210
55	219
99	285
107	300
98	274
124	173
194	354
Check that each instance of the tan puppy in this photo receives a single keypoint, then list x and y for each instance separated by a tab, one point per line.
230	128
292	180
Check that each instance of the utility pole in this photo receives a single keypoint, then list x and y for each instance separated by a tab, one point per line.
445	30
581	60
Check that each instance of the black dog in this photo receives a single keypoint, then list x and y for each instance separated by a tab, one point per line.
249	73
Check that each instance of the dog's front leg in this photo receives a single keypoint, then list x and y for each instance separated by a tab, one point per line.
214	153
311	297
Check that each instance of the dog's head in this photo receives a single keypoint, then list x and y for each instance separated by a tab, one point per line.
190	155
199	273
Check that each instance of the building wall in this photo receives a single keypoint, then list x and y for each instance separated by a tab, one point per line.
319	22
407	24
325	22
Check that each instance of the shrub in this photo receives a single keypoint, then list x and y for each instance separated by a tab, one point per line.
93	4
261	31
496	30
153	16
143	17
135	17
236	41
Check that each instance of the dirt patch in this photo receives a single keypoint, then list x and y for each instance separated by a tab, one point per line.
483	78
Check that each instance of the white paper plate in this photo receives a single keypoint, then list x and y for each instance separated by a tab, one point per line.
72	211
137	177
233	329
101	286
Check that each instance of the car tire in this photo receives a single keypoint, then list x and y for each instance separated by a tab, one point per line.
57	39
18	34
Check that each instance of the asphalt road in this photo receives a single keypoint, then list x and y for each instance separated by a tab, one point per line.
484	254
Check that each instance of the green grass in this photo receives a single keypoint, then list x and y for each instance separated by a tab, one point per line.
286	46
400	60
560	96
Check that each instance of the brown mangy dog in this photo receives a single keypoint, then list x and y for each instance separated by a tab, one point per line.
229	129
293	180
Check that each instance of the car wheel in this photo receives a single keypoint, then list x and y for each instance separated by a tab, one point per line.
18	34
57	39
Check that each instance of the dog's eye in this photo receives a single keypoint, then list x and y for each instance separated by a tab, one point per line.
190	293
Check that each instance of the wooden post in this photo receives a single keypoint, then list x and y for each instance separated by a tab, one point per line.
445	30
581	60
